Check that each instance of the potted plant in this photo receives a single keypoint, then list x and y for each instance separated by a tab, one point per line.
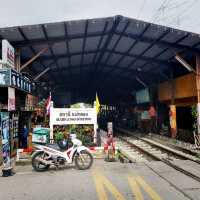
59	136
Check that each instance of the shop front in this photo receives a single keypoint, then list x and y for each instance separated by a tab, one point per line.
184	99
14	112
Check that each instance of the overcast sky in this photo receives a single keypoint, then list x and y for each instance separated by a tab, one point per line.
182	14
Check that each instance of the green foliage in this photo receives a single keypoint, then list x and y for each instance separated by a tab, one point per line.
76	105
59	136
41	104
198	155
81	105
83	133
194	115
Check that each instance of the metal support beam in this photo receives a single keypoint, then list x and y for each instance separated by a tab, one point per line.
145	58
175	43
96	34
116	22
184	63
140	81
116	43
83	50
67	47
100	42
41	74
50	48
162	43
163	51
31	48
142	57
149	47
33	58
198	93
108	40
132	46
54	40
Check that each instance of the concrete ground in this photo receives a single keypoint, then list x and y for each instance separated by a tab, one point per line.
104	181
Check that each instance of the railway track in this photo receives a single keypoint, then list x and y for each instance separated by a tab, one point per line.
147	150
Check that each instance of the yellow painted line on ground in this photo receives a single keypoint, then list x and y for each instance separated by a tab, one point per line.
135	188
134	181
99	188
148	189
101	182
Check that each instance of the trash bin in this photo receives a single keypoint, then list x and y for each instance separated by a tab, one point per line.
40	135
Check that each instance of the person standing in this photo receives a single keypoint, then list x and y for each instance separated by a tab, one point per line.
152	114
24	136
98	137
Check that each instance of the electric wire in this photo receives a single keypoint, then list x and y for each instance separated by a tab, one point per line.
141	8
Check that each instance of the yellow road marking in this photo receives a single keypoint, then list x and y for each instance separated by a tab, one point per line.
148	189
135	188
134	181
101	182
99	188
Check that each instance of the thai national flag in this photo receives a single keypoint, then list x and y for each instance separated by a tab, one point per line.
48	105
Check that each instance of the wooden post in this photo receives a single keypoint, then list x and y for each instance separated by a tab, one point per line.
17	59
172	112
198	92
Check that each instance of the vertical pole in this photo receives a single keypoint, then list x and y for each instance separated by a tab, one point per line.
17	60
198	92
95	124
172	112
51	123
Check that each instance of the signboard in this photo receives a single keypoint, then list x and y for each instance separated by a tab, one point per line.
39	138
63	116
142	96
4	77
8	54
31	102
11	99
19	81
12	78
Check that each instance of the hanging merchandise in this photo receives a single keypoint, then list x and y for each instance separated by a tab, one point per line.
5	143
1	149
14	120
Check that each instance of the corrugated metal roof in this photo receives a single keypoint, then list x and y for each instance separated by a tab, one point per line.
96	48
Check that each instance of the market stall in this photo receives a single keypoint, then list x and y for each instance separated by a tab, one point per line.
14	88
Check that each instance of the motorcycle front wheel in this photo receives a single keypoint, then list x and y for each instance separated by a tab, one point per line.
83	160
36	164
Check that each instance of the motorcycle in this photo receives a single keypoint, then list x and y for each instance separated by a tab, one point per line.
45	156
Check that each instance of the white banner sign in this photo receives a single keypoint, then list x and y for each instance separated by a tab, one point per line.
8	54
64	116
11	99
